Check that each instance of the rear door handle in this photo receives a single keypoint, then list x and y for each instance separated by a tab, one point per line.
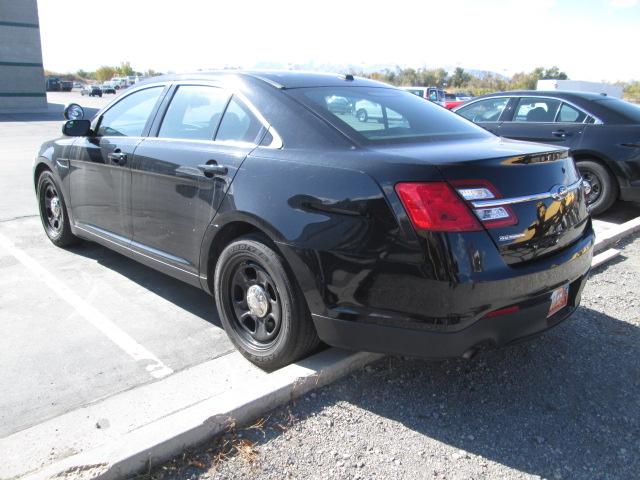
212	169
118	157
561	133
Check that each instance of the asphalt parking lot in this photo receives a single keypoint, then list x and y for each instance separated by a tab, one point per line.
84	324
55	355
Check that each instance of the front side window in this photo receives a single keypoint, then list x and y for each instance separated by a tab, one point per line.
532	109
194	112
488	110
239	124
385	115
128	117
569	114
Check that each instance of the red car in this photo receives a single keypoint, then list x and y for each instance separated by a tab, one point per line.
452	100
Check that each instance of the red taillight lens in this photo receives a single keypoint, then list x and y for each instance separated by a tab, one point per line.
437	207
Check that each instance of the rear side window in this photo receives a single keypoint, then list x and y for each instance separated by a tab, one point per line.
194	113
569	114
385	115
532	109
626	110
488	110
128	117
239	124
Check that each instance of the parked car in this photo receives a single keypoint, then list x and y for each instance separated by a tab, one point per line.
77	85
433	94
452	101
339	104
108	87
91	90
602	132
429	236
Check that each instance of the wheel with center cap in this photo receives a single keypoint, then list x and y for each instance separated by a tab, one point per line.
260	305
53	211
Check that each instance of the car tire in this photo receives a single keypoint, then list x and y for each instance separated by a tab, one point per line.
53	211
260	304
604	188
362	115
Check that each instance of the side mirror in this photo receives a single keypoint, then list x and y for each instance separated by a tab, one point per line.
73	111
76	128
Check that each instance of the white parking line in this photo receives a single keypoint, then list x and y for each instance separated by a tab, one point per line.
154	365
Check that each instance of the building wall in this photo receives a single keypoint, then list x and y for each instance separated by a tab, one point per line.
22	85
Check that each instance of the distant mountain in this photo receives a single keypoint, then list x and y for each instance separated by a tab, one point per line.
368	68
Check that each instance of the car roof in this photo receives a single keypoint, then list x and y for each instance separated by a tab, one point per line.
547	93
282	79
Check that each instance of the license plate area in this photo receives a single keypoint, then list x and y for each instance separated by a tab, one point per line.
559	300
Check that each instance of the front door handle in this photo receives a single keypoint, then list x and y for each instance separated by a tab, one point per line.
210	170
118	157
561	133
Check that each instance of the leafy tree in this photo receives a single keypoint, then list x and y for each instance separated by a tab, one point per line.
460	78
125	69
105	73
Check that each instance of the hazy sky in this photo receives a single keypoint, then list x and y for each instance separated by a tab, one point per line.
589	39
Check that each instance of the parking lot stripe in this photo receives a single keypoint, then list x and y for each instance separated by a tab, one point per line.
153	365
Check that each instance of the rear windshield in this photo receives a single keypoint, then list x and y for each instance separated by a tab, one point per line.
385	115
627	110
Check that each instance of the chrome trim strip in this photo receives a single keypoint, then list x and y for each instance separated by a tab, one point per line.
525	198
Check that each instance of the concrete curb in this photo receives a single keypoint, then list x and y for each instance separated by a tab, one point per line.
611	236
162	439
166	437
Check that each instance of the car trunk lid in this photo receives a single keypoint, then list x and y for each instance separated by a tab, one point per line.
539	188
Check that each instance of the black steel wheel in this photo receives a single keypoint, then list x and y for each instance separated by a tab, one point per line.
53	211
260	305
604	189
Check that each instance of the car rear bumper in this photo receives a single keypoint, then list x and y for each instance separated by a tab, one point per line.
401	333
493	332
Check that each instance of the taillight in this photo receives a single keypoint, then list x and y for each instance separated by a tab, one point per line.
491	217
435	206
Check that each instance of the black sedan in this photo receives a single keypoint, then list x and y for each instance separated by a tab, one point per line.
418	234
91	90
602	132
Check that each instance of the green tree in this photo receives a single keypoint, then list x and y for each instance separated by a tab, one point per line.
125	69
105	73
460	78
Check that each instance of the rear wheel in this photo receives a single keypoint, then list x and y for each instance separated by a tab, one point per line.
53	212
604	189
260	305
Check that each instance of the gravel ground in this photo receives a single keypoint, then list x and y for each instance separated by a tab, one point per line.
566	405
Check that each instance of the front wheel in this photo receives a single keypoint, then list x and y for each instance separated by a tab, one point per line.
362	115
53	212
260	305
604	189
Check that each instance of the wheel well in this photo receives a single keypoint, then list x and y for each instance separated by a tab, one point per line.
587	156
229	233
41	167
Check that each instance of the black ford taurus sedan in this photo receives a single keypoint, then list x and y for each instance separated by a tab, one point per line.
603	134
415	232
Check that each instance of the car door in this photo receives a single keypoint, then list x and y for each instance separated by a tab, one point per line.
545	120
100	165
182	174
486	112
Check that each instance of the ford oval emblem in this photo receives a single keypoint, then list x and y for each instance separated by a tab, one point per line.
559	192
